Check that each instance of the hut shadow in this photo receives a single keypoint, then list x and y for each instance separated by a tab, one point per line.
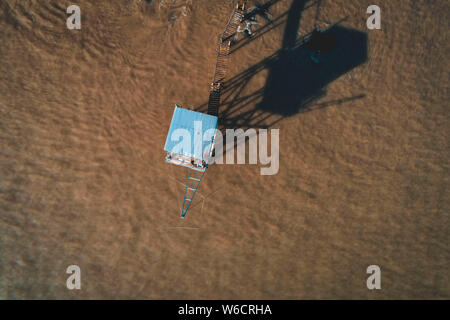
294	82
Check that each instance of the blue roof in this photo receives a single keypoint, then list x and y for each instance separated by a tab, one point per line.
201	128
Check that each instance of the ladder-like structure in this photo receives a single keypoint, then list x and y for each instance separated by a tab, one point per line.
223	53
195	176
193	182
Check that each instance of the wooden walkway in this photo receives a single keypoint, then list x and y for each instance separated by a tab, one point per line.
223	53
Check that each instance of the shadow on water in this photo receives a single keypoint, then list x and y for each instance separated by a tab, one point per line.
294	82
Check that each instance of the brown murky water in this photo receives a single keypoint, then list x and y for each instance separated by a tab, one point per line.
364	156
